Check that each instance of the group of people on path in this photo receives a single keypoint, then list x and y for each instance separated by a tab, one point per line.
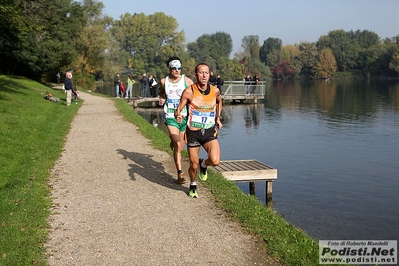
192	116
144	80
152	83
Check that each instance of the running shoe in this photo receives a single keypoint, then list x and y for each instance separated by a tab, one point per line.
203	174
193	191
181	179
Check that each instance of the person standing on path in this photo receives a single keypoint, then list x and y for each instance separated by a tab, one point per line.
205	109
171	89
117	81
130	82
153	86
68	87
143	89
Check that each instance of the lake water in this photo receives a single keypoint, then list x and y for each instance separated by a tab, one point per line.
335	145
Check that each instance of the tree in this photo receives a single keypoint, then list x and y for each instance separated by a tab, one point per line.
215	46
306	59
149	40
213	49
289	52
344	47
273	58
230	69
250	45
92	43
366	39
283	70
270	45
394	63
326	66
37	42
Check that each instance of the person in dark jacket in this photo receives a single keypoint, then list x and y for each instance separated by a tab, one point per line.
255	82
143	89
247	83
153	86
219	82
212	79
68	87
117	82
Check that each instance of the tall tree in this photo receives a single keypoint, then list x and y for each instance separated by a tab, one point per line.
344	47
326	66
250	45
37	41
212	49
94	39
307	59
394	62
270	45
150	40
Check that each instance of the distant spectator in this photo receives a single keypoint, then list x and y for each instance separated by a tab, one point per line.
212	79
68	87
58	78
143	89
247	83
49	96
117	81
153	86
255	81
219	82
130	83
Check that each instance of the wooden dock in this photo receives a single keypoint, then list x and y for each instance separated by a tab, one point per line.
134	101
248	171
242	98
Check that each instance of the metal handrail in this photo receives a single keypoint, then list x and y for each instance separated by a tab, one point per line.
238	88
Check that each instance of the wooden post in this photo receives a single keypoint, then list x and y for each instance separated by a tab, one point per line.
269	188
252	188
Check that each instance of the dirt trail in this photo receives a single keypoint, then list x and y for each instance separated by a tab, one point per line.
116	202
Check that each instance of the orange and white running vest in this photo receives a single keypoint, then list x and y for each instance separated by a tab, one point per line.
202	109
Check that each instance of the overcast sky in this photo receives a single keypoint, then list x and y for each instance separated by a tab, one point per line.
292	21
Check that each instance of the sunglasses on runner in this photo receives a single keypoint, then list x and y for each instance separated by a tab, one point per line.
176	68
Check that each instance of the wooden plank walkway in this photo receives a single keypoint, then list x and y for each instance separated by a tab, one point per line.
248	171
134	101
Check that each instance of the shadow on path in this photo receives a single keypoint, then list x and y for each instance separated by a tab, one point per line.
153	171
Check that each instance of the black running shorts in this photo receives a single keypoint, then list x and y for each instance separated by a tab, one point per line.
196	138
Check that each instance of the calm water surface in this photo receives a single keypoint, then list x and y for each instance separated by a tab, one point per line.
335	145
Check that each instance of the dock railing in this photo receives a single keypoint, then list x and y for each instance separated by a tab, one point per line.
237	90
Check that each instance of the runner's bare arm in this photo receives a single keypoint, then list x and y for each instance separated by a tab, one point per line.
162	95
184	100
218	109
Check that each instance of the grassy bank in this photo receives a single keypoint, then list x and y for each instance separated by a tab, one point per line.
32	132
283	241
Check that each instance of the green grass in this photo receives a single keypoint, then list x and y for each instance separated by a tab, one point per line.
32	132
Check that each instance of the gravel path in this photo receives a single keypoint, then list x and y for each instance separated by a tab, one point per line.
116	202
